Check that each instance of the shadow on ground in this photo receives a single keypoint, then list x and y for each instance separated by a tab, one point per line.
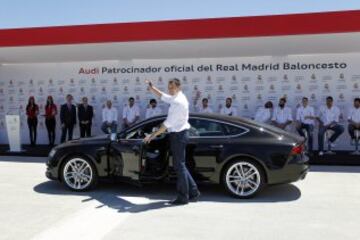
114	195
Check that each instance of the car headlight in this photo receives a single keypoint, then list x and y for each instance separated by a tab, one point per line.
52	153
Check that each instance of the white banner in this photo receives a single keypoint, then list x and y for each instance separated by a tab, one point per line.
250	82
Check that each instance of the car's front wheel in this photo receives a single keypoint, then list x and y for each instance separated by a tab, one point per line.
78	174
243	178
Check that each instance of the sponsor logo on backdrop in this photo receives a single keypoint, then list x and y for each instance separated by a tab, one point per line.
208	80
184	80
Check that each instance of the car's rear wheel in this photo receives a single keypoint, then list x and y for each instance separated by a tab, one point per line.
78	174
243	178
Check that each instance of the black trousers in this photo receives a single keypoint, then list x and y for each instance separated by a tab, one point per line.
351	130
185	184
50	126
67	130
32	124
85	130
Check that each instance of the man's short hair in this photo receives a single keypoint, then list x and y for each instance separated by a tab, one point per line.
205	99
229	98
131	99
175	81
357	100
152	100
69	95
330	98
282	99
305	98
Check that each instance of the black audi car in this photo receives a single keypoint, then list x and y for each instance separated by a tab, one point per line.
242	155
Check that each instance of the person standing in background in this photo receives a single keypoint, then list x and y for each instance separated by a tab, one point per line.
67	118
50	122
85	116
263	114
228	109
305	116
153	110
131	113
32	111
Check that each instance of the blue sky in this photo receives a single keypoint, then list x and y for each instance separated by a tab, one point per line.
34	13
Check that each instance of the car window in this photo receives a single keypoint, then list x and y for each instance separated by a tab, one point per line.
140	132
208	128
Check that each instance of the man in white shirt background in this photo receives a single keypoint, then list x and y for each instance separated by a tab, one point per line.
282	116
228	109
131	113
204	107
305	116
153	110
354	118
177	124
329	117
109	118
263	114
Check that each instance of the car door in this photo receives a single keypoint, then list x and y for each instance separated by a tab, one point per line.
207	140
132	152
209	144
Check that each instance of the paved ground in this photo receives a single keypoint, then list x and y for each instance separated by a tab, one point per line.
326	205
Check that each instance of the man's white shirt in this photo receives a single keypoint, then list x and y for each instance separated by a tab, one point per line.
303	112
130	113
282	115
329	115
354	115
178	113
263	115
201	109
231	111
109	114
152	112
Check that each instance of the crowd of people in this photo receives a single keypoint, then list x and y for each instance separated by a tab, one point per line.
328	117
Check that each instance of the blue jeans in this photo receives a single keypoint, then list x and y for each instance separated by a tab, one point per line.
112	126
185	184
338	130
309	129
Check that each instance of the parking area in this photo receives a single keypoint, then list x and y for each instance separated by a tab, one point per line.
325	205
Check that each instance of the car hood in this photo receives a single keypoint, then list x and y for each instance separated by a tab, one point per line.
102	139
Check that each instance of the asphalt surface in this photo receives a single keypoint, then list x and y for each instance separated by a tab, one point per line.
326	205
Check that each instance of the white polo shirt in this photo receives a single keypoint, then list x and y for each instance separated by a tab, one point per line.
231	111
354	115
109	115
329	115
201	109
130	113
152	112
282	115
303	112
263	115
178	113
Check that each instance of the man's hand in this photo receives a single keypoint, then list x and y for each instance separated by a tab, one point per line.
148	138
148	82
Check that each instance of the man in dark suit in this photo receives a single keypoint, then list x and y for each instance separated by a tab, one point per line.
67	118
85	116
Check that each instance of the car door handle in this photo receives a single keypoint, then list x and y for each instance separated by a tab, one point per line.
217	146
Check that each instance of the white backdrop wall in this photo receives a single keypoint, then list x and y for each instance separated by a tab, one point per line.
247	80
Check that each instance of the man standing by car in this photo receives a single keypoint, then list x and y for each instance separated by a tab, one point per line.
85	115
67	118
177	124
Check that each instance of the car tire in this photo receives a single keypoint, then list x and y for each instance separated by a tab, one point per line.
78	174
243	178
